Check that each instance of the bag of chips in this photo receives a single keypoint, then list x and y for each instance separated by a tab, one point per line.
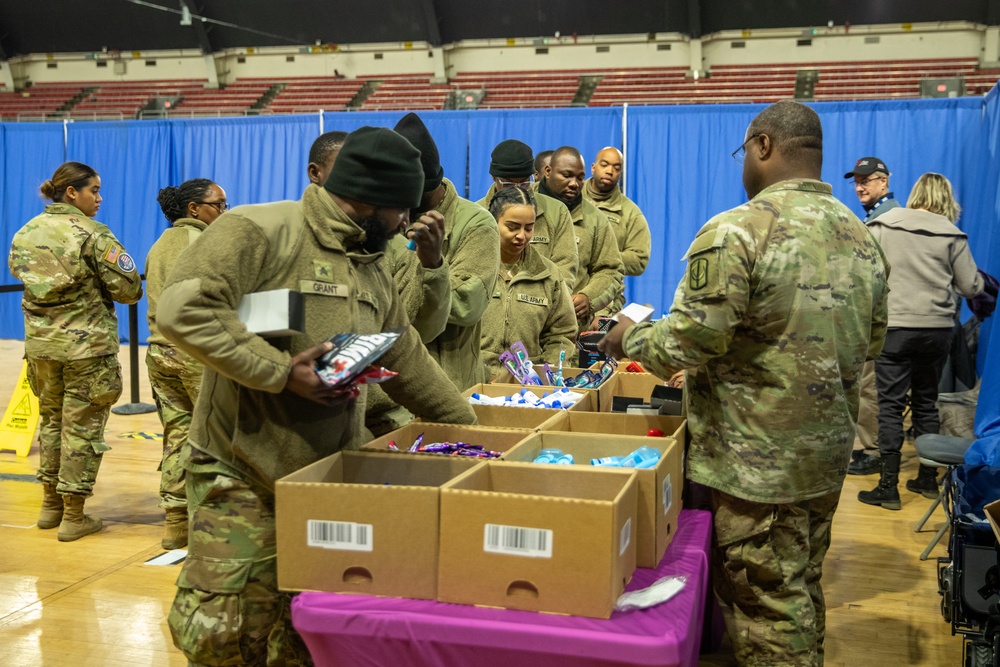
352	355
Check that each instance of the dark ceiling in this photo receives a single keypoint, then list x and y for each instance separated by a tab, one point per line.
51	26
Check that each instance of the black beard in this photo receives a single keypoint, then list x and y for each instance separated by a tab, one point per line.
376	235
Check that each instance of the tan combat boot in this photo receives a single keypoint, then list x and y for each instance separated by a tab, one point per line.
175	529
75	523
52	508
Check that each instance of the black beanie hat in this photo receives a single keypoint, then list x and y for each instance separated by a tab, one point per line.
512	159
379	167
411	127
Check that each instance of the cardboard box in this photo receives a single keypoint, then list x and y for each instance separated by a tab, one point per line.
363	522
586	404
499	416
494	439
272	314
538	538
618	423
992	511
659	494
633	385
598	392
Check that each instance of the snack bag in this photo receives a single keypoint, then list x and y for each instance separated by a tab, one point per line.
352	354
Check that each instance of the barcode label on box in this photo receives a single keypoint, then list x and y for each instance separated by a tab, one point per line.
626	536
517	541
668	494
342	535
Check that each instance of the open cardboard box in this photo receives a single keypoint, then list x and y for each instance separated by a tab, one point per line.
363	522
586	404
555	539
992	511
598	392
632	385
659	492
494	439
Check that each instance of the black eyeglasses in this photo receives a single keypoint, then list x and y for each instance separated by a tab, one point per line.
740	152
220	205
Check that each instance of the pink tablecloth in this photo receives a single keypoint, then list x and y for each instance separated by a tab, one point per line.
364	631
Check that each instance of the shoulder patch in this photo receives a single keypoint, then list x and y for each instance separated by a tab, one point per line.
126	263
111	256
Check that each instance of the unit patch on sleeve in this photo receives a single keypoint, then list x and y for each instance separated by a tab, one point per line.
126	263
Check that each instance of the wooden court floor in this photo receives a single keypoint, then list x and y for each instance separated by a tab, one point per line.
95	602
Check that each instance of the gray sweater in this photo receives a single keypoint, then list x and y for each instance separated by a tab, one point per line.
930	262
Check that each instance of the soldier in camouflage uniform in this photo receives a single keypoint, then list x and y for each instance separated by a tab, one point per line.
783	300
600	272
73	269
530	303
175	376
421	276
627	221
262	410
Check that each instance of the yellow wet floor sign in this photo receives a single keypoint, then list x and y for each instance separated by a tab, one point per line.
17	431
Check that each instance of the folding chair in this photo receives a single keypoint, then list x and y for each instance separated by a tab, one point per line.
939	451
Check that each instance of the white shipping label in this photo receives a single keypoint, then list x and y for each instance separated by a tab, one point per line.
668	494
517	541
626	536
341	535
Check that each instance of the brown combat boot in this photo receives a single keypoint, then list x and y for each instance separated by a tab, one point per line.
175	529
75	523
52	508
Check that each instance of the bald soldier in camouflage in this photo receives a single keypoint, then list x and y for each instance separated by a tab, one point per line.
73	269
783	300
600	272
627	221
420	275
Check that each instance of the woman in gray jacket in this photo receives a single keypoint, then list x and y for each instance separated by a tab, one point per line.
930	263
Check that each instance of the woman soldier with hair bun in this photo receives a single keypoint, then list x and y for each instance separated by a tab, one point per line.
73	269
530	302
175	376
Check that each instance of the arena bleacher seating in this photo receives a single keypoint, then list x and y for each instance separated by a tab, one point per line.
739	83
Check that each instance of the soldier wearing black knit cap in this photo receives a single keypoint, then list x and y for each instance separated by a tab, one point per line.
263	412
472	250
510	166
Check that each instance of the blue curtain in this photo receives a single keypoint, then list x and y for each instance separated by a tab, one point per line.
678	167
589	130
135	160
449	129
986	248
31	153
255	160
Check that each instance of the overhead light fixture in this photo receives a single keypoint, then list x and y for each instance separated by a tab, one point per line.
185	14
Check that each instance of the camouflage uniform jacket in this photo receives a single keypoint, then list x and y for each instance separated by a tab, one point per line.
553	237
601	269
73	269
534	307
244	417
425	295
472	250
630	227
161	258
783	300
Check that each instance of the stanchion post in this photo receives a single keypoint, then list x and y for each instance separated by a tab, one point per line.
135	407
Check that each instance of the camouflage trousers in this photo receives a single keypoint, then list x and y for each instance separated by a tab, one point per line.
228	610
175	387
767	566
74	400
868	410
